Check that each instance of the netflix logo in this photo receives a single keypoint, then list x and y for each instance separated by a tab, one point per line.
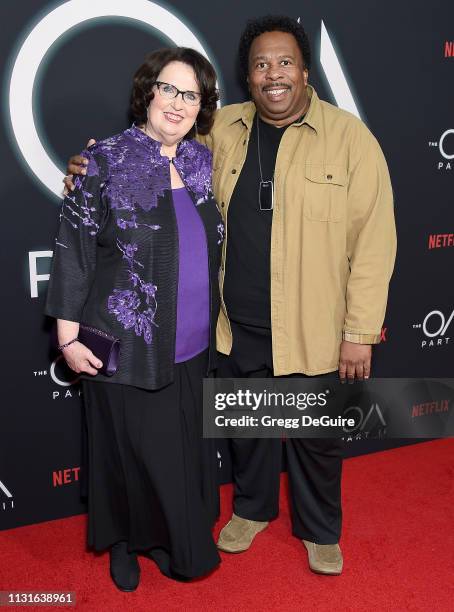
429	408
440	241
449	48
65	477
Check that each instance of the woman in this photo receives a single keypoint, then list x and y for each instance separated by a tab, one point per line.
137	256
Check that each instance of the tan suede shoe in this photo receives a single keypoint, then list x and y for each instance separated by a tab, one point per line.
238	534
324	558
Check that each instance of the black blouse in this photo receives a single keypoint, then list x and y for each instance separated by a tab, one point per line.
115	265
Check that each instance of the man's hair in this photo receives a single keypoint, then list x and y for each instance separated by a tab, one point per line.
148	72
272	23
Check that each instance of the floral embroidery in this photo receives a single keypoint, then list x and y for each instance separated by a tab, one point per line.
194	167
128	305
75	212
132	224
192	161
151	173
132	180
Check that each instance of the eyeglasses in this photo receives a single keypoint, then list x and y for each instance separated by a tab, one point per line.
193	98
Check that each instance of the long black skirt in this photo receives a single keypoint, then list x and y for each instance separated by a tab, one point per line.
152	478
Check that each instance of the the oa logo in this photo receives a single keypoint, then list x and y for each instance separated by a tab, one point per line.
56	377
374	418
75	12
39	41
439	320
441	145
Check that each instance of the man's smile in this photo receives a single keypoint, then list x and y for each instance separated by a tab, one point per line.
276	92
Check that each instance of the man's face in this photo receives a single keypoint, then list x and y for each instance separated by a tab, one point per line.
277	77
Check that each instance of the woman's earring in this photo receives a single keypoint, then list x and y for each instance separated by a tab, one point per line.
195	129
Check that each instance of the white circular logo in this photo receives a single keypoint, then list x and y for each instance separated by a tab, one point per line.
443	323
39	41
58	381
441	144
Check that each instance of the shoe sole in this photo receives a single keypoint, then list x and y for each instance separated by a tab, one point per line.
325	573
233	552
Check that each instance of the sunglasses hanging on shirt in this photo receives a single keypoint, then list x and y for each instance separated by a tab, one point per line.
266	188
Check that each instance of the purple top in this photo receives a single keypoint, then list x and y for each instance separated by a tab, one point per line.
193	302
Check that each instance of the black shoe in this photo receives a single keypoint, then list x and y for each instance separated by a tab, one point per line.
124	567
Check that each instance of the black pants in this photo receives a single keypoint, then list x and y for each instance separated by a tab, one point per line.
314	464
152	476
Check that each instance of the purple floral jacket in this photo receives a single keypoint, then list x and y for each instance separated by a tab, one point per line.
115	265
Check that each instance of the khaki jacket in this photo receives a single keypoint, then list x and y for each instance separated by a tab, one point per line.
333	239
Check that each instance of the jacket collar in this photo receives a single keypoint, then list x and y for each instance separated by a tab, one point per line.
192	161
154	146
246	112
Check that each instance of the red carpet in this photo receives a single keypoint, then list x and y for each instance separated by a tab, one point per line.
398	544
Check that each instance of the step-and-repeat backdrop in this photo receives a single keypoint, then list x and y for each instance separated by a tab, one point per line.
66	76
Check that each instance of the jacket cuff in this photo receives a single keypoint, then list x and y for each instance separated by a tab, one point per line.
361	338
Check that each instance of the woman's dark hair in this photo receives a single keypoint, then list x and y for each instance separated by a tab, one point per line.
147	74
272	23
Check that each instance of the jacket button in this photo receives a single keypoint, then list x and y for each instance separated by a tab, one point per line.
329	176
222	204
234	171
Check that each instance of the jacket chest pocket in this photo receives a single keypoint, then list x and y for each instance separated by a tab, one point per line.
325	192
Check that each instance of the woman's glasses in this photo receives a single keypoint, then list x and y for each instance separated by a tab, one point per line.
193	98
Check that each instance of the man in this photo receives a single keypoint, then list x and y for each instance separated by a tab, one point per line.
310	245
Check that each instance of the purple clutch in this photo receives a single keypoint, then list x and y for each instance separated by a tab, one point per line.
103	346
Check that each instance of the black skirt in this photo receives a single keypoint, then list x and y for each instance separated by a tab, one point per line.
152	477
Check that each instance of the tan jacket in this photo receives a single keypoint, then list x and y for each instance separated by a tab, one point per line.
333	239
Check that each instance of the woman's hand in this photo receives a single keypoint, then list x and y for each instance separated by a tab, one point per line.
80	359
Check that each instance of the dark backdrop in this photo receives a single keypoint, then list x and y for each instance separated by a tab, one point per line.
398	59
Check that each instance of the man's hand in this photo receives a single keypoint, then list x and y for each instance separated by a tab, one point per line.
354	361
76	165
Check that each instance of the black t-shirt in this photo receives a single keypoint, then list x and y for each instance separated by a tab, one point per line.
247	267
